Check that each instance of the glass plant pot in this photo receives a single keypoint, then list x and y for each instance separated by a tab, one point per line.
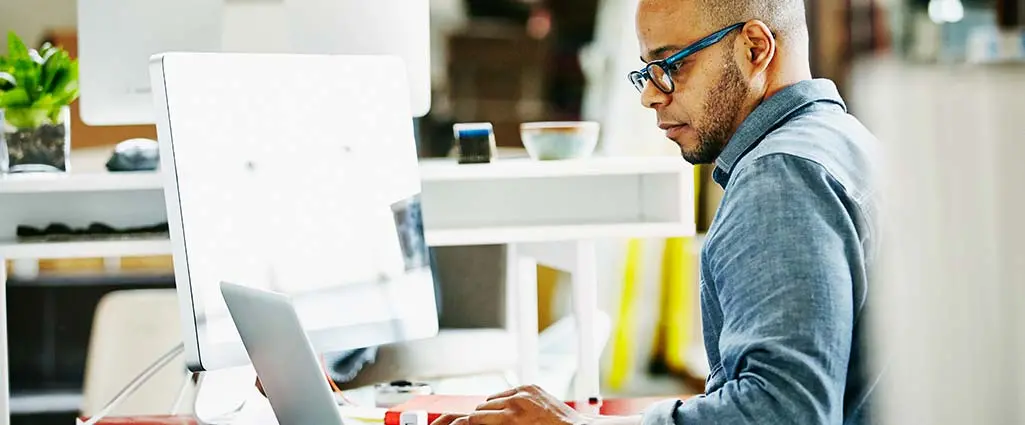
41	148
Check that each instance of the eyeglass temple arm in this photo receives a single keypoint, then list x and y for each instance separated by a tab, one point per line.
703	43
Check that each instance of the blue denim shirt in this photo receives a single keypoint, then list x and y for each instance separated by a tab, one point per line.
785	269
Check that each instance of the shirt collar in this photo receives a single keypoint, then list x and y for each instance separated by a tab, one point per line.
768	116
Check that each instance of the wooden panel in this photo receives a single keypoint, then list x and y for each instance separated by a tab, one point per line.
489	84
162	262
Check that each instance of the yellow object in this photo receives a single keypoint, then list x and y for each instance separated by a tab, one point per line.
676	320
71	265
622	337
676	323
547	283
678	275
698	184
154	263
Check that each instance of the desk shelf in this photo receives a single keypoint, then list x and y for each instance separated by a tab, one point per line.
528	234
511	200
445	169
11	249
79	182
431	169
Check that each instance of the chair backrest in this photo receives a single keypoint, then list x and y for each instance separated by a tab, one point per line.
131	330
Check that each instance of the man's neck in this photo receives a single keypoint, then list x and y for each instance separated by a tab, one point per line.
792	68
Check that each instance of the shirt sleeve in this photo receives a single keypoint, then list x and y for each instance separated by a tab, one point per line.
783	265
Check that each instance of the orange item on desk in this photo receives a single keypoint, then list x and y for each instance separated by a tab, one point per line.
437	405
147	420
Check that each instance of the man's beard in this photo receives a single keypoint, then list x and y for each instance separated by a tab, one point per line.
722	107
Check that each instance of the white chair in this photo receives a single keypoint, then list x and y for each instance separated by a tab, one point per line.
131	330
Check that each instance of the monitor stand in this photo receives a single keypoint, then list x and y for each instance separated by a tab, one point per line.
230	397
223	395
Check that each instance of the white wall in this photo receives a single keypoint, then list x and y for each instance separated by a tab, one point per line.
31	18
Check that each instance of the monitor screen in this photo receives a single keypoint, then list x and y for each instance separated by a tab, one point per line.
297	174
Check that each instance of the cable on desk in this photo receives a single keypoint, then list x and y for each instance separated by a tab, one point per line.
190	382
134	385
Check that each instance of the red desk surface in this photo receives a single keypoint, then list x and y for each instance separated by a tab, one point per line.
148	420
436	405
433	404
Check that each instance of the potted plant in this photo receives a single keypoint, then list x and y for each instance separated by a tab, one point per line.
36	91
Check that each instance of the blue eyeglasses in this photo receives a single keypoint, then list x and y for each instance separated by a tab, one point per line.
659	72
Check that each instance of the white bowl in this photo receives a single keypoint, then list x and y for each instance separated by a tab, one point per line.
556	140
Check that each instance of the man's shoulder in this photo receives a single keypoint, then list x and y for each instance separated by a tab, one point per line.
827	141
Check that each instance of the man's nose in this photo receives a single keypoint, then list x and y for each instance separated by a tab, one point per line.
651	96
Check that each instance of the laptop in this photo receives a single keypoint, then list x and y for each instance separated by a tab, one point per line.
283	356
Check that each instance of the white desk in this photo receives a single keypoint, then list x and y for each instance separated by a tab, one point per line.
546	212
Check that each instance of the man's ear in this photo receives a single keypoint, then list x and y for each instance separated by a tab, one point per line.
759	46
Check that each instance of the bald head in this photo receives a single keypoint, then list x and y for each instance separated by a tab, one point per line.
714	88
786	18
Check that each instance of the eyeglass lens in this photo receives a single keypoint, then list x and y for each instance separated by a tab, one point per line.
658	76
661	78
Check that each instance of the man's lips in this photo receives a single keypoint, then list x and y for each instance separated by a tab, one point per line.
673	130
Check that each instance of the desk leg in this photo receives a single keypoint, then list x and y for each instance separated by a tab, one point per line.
522	277
5	410
585	304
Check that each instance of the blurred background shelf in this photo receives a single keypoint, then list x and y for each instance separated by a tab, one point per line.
83	279
12	249
45	401
79	182
547	233
432	170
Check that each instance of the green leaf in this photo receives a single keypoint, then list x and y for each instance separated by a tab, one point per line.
47	101
47	77
57	64
26	118
65	98
67	91
26	73
16	98
16	48
51	66
55	115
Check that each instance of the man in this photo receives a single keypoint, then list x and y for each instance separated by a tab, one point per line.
785	266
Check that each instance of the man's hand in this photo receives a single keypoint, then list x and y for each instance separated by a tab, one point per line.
523	405
259	386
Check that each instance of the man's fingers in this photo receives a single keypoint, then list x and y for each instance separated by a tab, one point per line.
447	419
507	393
259	386
494	404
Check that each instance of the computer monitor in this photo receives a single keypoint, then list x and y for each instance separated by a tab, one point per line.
117	37
297	174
